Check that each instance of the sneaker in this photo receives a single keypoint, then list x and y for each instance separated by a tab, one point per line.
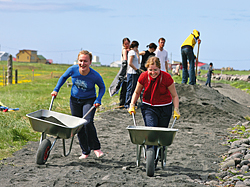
83	156
99	153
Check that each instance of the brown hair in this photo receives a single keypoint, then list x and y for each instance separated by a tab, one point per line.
134	44
153	61
125	39
85	52
161	39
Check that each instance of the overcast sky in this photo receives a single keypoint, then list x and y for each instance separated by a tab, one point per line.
58	30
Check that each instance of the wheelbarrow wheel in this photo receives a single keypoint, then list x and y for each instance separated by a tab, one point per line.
150	165
43	152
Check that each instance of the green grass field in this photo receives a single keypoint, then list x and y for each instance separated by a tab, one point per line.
32	93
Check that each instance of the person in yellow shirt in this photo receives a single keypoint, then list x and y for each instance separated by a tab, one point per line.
188	54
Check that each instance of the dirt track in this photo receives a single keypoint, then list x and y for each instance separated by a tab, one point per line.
195	151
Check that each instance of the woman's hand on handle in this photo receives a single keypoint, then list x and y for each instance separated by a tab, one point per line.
97	105
54	93
176	113
131	109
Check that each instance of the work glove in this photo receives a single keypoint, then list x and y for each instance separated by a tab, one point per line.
176	113
131	109
138	71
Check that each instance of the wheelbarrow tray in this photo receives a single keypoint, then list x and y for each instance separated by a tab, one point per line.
69	126
144	135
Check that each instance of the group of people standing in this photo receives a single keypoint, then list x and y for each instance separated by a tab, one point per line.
150	77
131	57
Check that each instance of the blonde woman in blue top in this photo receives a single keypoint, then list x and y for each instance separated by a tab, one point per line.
83	97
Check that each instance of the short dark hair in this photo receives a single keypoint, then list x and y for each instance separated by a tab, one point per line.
134	44
211	64
152	45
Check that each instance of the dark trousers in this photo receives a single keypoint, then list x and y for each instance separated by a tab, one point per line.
156	116
123	93
208	82
87	136
131	84
188	54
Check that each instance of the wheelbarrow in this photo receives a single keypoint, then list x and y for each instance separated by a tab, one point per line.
62	126
158	136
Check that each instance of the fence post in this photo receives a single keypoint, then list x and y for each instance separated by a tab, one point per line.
9	70
32	74
16	77
3	76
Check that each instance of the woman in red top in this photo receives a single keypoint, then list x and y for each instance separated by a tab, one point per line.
158	97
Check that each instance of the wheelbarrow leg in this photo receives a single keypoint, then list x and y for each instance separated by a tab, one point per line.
138	154
64	149
43	136
164	159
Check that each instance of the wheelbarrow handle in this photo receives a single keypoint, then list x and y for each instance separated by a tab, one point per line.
51	103
88	111
174	122
133	115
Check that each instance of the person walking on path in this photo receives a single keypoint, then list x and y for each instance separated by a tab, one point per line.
158	97
209	75
146	54
83	97
133	71
162	54
188	54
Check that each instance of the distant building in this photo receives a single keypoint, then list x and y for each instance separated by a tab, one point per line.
117	63
27	55
203	66
4	56
41	59
95	59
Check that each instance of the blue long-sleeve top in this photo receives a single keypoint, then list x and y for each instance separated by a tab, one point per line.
83	86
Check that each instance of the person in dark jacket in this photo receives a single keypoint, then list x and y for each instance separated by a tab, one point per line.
146	54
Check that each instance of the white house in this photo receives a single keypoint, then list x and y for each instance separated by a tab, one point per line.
203	66
117	63
95	59
4	56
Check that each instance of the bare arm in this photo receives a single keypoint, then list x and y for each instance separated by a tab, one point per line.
166	66
142	53
124	54
174	95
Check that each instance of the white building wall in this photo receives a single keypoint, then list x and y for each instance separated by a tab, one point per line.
4	56
95	59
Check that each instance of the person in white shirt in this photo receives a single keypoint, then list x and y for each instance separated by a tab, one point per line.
133	71
162	54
